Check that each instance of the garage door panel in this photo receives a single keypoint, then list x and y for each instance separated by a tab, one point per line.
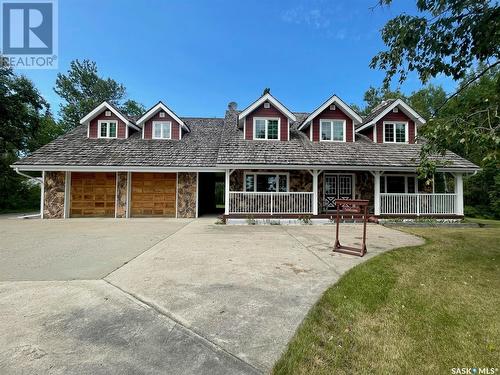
153	194
93	194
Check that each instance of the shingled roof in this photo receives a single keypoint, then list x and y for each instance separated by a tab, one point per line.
300	151
197	149
219	143
376	111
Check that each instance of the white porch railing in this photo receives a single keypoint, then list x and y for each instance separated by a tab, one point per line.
417	204
244	202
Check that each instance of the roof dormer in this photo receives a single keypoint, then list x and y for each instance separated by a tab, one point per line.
160	122
392	121
106	121
266	119
332	121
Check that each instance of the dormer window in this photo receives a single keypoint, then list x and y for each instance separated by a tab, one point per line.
162	130
395	132
266	128
107	128
333	130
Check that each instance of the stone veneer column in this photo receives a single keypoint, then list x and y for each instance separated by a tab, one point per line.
186	194
53	195
121	194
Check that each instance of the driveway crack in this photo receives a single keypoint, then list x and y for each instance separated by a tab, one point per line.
165	313
149	248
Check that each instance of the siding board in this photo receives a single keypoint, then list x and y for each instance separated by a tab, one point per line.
122	127
267	112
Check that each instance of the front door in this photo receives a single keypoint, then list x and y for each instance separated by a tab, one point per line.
336	186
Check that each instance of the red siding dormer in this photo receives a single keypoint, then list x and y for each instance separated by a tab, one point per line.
397	117
94	124
331	114
262	112
148	125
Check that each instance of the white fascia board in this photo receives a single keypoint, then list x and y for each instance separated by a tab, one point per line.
163	107
273	101
410	112
223	167
101	168
338	102
100	108
340	167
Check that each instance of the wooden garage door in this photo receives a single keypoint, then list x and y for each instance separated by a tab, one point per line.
93	194
153	194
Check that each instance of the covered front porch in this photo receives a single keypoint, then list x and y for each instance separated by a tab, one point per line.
295	193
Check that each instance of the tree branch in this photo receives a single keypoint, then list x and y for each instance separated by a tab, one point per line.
467	84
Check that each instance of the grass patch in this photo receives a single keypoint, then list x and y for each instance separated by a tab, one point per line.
424	309
483	222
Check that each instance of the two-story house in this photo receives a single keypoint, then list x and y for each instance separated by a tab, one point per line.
263	161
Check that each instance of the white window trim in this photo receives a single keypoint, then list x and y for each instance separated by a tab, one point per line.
344	135
396	122
161	129
407	176
99	122
254	174
267	124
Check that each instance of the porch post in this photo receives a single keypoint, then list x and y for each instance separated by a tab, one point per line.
459	192
315	174
376	197
226	191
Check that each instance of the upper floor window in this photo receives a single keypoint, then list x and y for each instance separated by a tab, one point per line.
162	130
107	128
396	132
332	130
266	128
263	182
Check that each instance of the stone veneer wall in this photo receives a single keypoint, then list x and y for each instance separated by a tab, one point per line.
121	194
186	194
53	195
301	180
236	180
364	188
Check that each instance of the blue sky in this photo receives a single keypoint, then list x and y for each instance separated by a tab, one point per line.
196	56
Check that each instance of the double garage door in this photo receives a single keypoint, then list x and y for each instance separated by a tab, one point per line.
94	194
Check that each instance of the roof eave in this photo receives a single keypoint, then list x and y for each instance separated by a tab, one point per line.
162	106
334	99
92	114
273	100
410	112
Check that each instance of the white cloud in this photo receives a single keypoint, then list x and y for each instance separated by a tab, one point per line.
322	17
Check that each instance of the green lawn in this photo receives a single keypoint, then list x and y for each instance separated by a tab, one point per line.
424	309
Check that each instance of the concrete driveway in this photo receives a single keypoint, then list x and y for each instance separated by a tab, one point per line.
167	296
